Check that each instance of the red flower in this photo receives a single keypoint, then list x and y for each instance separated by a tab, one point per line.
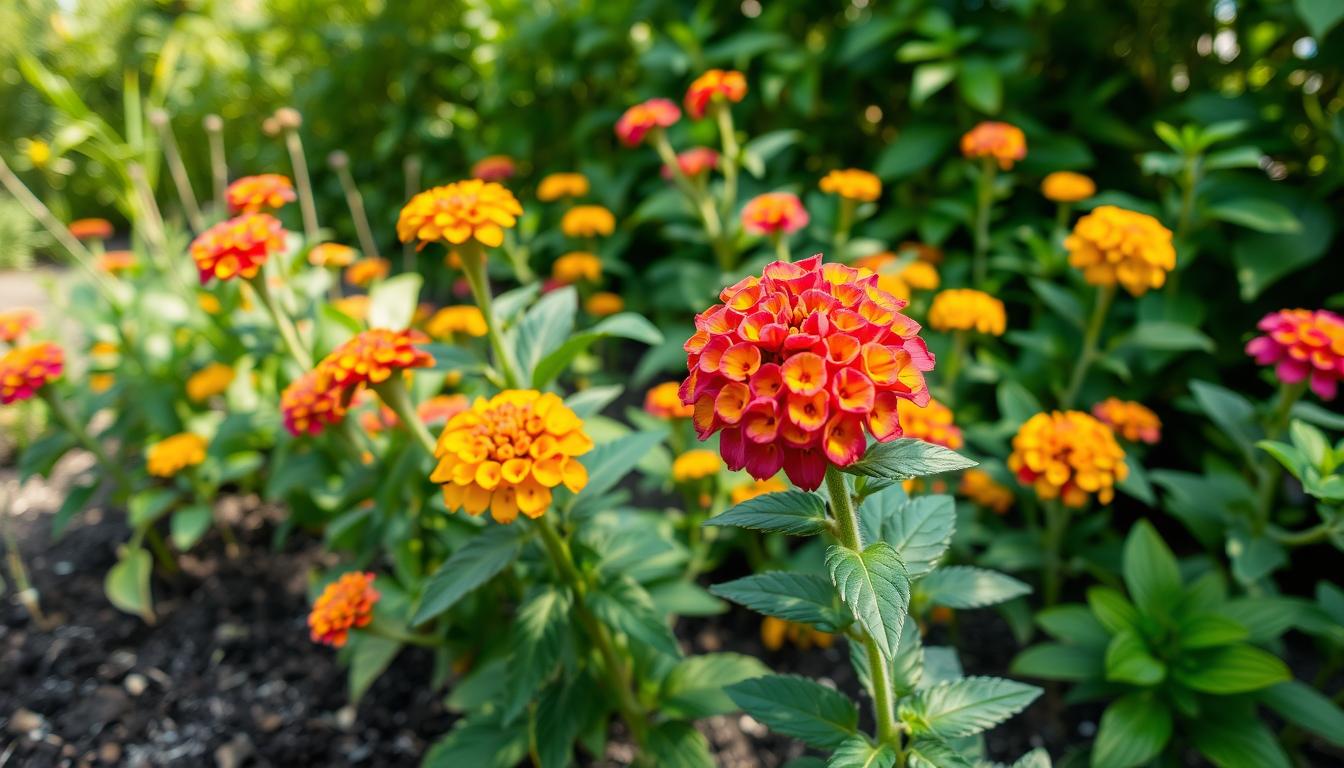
1299	344
642	118
238	246
774	213
694	162
25	370
793	366
725	84
254	194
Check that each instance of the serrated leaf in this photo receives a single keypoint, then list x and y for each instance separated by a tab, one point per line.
608	463
921	532
624	606
473	564
540	640
964	586
927	751
1134	729
876	588
798	707
795	513
796	597
907	458
967	706
480	743
677	744
858	752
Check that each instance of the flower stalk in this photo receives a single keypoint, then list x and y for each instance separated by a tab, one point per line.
397	397
473	266
1091	339
307	206
984	205
288	333
700	200
1052	538
355	201
177	169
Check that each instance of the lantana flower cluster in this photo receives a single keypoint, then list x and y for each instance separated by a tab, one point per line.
1068	455
25	370
254	194
237	247
371	357
1302	345
174	454
1113	245
1133	421
966	309
460	212
345	604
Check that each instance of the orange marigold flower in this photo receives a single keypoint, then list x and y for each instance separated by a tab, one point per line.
254	194
345	604
1133	421
237	247
898	280
775	631
308	408
716	84
604	303
174	454
1300	343
932	423
638	120
1068	455
966	309
695	465
211	380
117	262
493	168
980	487
1067	187
588	221
458	212
852	184
25	370
794	365
354	307
14	323
560	185
463	318
331	255
1003	142
1113	245
576	266
774	213
371	357
664	402
694	162
91	229
505	454
366	272
756	488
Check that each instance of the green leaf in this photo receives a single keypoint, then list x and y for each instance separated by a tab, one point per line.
967	706
796	513
927	751
1111	608
1208	630
760	150
563	711
1233	414
473	564
75	500
1287	455
1263	259
921	531
1310	440
1074	624
981	85
1320	16
1236	743
694	687
146	507
392	302
964	586
1128	660
624	606
1307	708
797	597
1150	571
370	656
626	325
1256	213
609	462
1228	669
1036	758
876	588
189	524
540	640
590	402
677	744
1134	730
1016	403
480	743
1167	337
858	752
1234	157
914	149
127	583
798	707
545	327
930	79
907	458
1058	661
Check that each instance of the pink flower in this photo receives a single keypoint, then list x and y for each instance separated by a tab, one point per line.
642	118
1300	343
774	213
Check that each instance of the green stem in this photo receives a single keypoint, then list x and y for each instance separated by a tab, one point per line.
699	199
1271	472
398	398
847	529
781	247
1091	336
410	638
62	414
294	145
984	205
1189	181
731	160
288	333
960	340
355	202
1056	523
473	266
844	222
1316	533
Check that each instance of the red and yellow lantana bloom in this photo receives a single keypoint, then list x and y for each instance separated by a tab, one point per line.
345	604
25	370
725	84
1133	421
460	212
1302	344
638	120
1068	455
1113	245
1003	142
774	213
254	194
237	247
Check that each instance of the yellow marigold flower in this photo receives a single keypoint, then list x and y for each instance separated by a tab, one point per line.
728	85
921	275
209	303
1113	245
664	402
1132	421
464	318
588	221
117	262
211	380
253	194
345	604
237	247
577	266
14	323
493	168
25	370
331	255
1003	142
604	303
775	631
174	454
1067	187
852	184
965	309
366	272
756	488
559	185
1068	455
505	454
932	423
101	382
354	307
91	229
458	212
696	465
980	487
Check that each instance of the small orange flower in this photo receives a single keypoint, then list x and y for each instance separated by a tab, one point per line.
458	212
774	213
1067	187
757	488
560	185
14	323
1068	455
117	262
694	162
923	252
852	184
366	272
254	194
775	631
965	309
696	465
588	221
331	255
604	303
209	303
464	318
308	408
638	120
211	380
900	281
25	370
174	454
101	382
1132	421
716	84
505	454
371	357
1299	344
345	604
932	423
354	307
576	266
91	229
493	168
1003	142
237	247
980	487
1113	245
663	402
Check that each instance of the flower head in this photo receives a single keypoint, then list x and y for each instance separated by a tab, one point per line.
852	184
237	247
345	604
1302	344
694	162
463	318
695	465
775	631
560	185
577	266
254	194
1132	421
371	357
91	229
900	281
751	490
493	168
458	212
1113	245
1067	187
308	407
117	262
174	454
980	487
1003	142
355	307
932	423
663	402
25	370
1068	455
331	255
716	84
211	380
366	272
638	120
774	213
14	323
588	221
966	309
794	365
505	454
604	303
